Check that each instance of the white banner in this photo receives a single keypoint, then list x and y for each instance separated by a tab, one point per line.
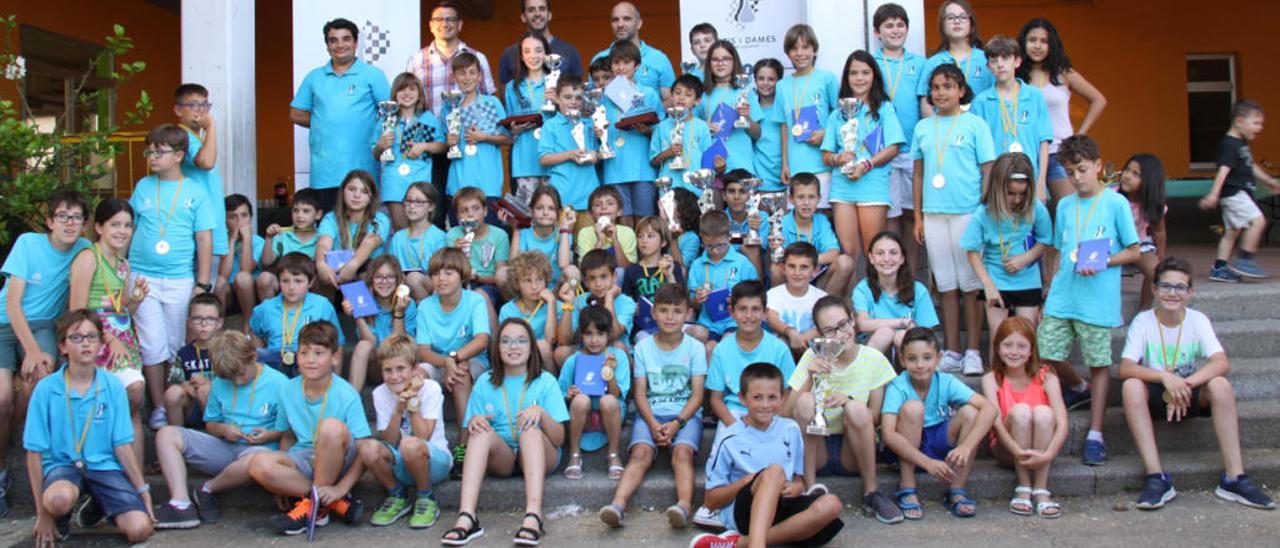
389	34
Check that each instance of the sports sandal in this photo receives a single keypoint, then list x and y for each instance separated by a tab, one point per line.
907	507
574	470
1021	504
459	536
615	470
528	536
1046	509
956	499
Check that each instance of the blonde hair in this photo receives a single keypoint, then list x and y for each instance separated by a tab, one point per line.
230	352
398	346
526	264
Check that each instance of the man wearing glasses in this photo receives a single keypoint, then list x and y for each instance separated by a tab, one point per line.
431	63
536	15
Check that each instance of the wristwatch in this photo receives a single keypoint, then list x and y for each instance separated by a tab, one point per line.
207	288
681	422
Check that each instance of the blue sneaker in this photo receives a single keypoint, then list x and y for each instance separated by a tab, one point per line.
1243	491
1223	274
1157	489
1247	268
1075	399
1095	453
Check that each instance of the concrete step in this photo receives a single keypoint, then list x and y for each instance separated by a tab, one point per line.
1220	301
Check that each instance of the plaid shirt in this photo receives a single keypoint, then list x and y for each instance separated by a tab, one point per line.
429	65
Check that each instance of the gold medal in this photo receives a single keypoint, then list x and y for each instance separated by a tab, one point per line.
606	373
162	247
939	181
402	291
1075	255
797	130
287	358
403	169
1016	147
1167	397
471	150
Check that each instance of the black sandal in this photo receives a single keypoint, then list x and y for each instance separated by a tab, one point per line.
526	536
460	536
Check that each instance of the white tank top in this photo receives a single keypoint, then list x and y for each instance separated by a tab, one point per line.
1058	99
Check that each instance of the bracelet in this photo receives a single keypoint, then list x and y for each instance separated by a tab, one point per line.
140	490
566	307
566	231
397	316
870	166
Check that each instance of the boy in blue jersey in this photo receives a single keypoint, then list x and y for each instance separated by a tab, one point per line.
239	268
570	165
629	170
1015	112
902	71
714	274
243	401
1084	304
277	322
599	270
322	422
195	116
67	457
171	240
695	136
280	241
755	475
482	136
741	221
835	269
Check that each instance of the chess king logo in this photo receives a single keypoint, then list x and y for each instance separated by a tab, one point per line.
742	12
377	41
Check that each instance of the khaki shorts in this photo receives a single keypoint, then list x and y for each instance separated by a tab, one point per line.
1239	210
1055	336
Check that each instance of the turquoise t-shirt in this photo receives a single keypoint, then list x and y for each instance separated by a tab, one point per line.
414	253
996	240
963	142
873	135
549	246
446	332
690	247
820	233
696	138
631	148
741	228
486	251
381	225
212	184
34	260
622	374
1095	299
403	171
344	116
523	97
766	155
295	413
728	360
178	210
733	268
382	323
253	406
920	309
483	169
738	143
976	73
572	180
537	320
268	320
258	243
818	89
624	310
946	394
655	68
288	242
503	405
1026	122
902	79
668	375
53	432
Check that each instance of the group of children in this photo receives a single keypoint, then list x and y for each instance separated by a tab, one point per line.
599	303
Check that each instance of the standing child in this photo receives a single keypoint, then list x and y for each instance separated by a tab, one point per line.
805	98
533	301
1032	424
1083	303
239	268
755	475
902	72
933	421
606	410
695	136
721	108
486	246
1233	188
295	307
413	139
803	224
352	233
944	208
629	169
543	238
524	96
397	315
671	368
62	465
960	46
605	232
702	38
1005	241
195	116
656	268
1142	183
889	301
767	132
414	245
791	302
481	136
281	241
570	165
410	450
715	273
1015	112
187	395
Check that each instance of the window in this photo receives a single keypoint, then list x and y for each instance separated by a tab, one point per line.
1211	91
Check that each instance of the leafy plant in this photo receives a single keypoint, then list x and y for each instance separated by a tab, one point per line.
34	162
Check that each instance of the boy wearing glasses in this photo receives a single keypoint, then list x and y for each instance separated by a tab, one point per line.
195	116
1174	368
188	391
714	273
34	295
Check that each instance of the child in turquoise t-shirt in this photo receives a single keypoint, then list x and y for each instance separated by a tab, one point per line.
890	300
1015	112
804	100
487	247
571	165
595	333
239	268
354	232
695	137
804	224
721	107
280	241
714	274
397	314
902	72
534	302
414	245
525	95
958	46
479	136
543	238
413	139
276	322
629	169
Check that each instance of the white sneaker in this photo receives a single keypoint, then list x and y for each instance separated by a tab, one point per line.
707	517
972	363
159	418
816	489
950	362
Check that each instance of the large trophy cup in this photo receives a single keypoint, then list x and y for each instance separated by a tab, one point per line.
599	119
388	112
775	204
749	185
677	137
827	349
667	202
849	132
453	121
702	179
743	79
552	62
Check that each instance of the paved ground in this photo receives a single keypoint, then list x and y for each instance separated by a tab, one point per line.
1193	519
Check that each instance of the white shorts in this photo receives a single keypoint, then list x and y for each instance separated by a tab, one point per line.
437	373
900	192
1239	210
950	263
161	320
128	376
824	189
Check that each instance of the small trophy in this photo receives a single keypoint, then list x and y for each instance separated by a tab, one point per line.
388	111
667	202
687	67
599	119
828	349
702	180
849	131
677	137
552	62
775	204
469	227
743	79
453	122
750	185
579	136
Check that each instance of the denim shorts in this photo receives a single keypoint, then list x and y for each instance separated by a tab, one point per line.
690	434
11	353
111	490
639	198
1054	171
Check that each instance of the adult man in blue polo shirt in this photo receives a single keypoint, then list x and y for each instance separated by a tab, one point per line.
339	103
536	15
655	68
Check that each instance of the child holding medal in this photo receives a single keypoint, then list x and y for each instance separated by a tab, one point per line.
1016	112
397	314
414	245
530	273
413	139
276	322
804	100
953	152
597	394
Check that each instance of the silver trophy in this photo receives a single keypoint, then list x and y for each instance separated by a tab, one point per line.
743	79
599	119
827	349
702	179
579	135
677	137
453	121
849	132
469	228
749	185
552	62
775	204
389	112
667	202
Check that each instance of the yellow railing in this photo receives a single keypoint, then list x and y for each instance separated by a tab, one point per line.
132	141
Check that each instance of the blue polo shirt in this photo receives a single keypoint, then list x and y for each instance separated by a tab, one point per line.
873	135
1028	118
403	171
302	416
902	79
745	450
946	394
696	139
738	143
190	214
212	184
484	169
655	68
766	154
920	310
53	433
997	239
250	407
381	324
976	73
572	180
414	253
820	233
380	225
733	268
1095	299
288	242
818	89
522	97
268	320
344	116
34	260
631	148
503	404
728	360
446	332
964	142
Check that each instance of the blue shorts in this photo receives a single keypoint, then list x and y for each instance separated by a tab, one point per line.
439	462
271	357
111	490
690	434
833	466
639	198
304	459
933	441
1054	171
11	353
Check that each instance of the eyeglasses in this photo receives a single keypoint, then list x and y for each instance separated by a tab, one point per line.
197	106
68	218
956	18
511	342
204	320
156	152
717	247
384	277
415	203
719	60
844	325
445	19
1176	289
77	338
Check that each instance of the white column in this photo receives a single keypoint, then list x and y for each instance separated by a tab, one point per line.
218	53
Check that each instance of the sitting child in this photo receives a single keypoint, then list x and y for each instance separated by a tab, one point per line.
188	391
791	302
889	301
397	315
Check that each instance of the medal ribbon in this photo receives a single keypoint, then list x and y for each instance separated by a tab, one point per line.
88	419
323	404
173	204
506	402
116	297
902	67
287	327
1004	251
1170	364
799	98
235	391
1006	119
1088	216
